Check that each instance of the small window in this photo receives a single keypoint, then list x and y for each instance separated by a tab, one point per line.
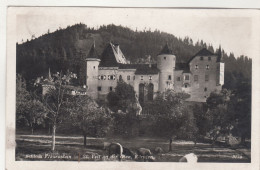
169	77
178	78
201	58
187	77
150	77
142	77
206	77
196	67
185	85
103	77
196	78
205	89
128	77
120	77
207	67
110	88
94	67
99	88
111	77
164	58
209	58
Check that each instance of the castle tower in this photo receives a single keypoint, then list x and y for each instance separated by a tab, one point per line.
166	65
92	63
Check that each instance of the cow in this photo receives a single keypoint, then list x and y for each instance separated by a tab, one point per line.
115	149
120	151
158	150
145	154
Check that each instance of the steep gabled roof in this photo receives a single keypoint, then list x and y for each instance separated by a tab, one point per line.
202	52
166	50
112	56
92	52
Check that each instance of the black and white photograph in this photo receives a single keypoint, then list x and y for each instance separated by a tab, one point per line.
98	84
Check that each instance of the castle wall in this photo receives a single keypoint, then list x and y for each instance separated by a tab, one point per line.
206	72
106	83
145	79
178	80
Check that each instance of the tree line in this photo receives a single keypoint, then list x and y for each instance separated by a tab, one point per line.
67	48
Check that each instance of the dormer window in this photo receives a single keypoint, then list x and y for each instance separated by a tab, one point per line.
201	58
196	67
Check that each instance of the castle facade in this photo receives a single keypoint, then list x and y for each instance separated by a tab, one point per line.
201	75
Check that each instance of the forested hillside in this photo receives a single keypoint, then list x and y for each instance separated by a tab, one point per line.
67	48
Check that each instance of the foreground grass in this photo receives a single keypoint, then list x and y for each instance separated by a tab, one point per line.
37	147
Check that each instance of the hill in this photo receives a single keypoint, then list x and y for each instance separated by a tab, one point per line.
66	49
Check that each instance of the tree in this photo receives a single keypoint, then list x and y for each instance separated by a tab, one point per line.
29	110
56	103
219	116
88	117
123	97
241	104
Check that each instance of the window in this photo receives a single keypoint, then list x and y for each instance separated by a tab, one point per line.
94	67
110	88
206	77
142	77
207	67
196	67
185	85
178	78
169	77
164	58
201	58
187	77
209	58
133	77
205	89
111	77
128	77
120	77
99	88
196	78
150	77
103	77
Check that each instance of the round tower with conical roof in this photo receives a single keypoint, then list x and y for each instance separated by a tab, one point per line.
166	65
92	63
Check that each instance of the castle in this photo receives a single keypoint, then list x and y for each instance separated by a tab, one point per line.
201	75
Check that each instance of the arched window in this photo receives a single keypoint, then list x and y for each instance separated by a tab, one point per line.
141	93
150	92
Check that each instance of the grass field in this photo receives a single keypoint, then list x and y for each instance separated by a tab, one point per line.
37	147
